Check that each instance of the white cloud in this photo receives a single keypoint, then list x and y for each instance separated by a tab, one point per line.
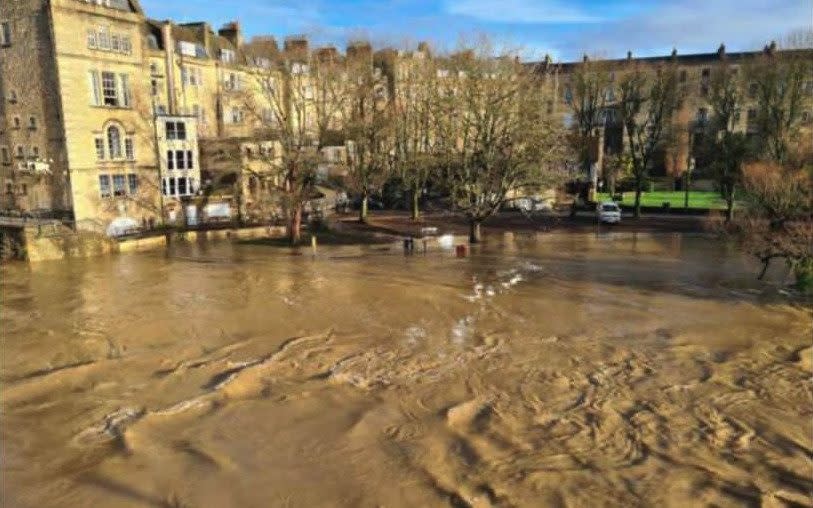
519	11
695	26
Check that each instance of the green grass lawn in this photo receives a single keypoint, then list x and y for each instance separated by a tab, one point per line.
697	199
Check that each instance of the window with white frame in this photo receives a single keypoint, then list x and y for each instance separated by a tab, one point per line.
104	186
114	142
110	92
227	55
178	186
99	146
236	115
103	39
187	48
119	185
176	130
129	149
132	184
5	33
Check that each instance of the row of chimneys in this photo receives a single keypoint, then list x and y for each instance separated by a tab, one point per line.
769	48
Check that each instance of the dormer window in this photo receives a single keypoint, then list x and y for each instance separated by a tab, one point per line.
227	56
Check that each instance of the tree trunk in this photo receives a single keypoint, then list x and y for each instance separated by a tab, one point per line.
729	200
416	211
637	200
363	207
475	235
295	225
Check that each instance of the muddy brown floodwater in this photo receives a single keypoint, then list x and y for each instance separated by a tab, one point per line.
614	370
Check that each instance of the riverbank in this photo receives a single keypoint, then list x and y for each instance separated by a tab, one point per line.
401	224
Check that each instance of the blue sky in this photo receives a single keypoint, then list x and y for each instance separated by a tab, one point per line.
563	28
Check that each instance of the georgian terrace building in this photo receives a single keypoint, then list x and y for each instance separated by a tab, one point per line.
695	73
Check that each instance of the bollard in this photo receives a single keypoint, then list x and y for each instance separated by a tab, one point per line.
313	244
409	245
424	245
460	251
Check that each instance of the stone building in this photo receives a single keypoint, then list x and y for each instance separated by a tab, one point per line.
107	115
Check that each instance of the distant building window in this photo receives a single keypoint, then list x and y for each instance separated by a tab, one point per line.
5	33
24	189
192	76
176	130
129	149
104	186
753	90
119	188
684	76
103	40
182	186
114	142
92	39
705	73
132	184
568	95
805	116
187	48
236	115
32	123
154	87
153	68
189	161
35	152
16	121
99	145
227	56
4	155
170	159
20	152
752	115
180	162
12	96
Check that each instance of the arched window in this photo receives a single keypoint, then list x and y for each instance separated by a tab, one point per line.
114	142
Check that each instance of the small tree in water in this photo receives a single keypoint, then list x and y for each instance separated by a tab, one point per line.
778	223
498	139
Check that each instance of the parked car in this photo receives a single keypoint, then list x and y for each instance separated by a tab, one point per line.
608	212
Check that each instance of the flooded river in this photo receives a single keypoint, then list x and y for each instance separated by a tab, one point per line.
539	371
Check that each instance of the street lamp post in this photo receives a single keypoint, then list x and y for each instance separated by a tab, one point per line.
687	183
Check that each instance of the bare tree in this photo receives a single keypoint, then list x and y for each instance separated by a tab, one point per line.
648	99
777	80
367	127
299	104
499	139
588	97
725	148
413	97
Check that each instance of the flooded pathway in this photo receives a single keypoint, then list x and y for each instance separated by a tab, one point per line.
540	371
